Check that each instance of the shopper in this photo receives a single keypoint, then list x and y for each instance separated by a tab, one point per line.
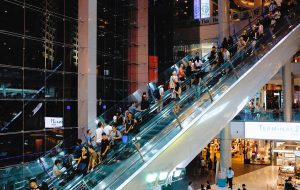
105	146
130	124
208	185
83	162
161	92
56	168
93	160
88	138
173	80
181	74
203	166
241	48
225	43
115	135
190	186
202	187
45	186
99	132
212	58
244	187
145	102
119	119
77	148
33	185
107	128
230	175
135	111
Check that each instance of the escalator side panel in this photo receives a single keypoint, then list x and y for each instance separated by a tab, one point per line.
198	132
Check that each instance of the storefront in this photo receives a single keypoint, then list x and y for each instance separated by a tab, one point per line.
287	156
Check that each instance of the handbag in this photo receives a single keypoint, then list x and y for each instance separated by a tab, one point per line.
124	138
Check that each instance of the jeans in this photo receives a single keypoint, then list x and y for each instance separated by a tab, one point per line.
98	146
197	90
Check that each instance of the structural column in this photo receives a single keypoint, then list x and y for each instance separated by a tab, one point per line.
224	20
138	50
225	157
287	91
87	64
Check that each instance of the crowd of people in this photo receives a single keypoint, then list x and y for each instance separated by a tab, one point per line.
196	73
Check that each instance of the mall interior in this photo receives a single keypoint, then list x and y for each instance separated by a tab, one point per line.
150	94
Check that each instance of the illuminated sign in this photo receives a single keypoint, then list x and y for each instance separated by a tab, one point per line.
272	131
201	9
196	9
205	8
53	122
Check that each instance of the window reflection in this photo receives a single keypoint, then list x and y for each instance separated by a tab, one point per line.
38	75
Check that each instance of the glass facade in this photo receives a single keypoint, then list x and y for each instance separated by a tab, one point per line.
113	40
38	75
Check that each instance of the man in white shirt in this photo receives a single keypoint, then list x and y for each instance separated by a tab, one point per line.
107	128
99	132
230	175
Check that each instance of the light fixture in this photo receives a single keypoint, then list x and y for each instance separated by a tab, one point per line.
177	173
163	176
151	178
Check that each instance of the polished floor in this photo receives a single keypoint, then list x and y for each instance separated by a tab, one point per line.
256	177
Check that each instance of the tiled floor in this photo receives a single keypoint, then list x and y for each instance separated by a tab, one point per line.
256	177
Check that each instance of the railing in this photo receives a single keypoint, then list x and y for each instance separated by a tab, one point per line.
157	126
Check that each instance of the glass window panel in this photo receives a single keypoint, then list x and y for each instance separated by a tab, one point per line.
70	114
53	137
34	54
11	116
54	57
54	109
34	113
71	8
11	83
54	85
11	146
70	32
55	29
11	49
35	4
34	81
71	59
70	86
34	145
34	23
11	17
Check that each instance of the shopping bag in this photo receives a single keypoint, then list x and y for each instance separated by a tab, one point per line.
124	139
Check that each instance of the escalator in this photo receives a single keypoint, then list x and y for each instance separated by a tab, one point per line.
162	134
173	137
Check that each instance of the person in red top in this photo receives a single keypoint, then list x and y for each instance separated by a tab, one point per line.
181	74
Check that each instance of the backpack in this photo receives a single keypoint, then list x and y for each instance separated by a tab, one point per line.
156	94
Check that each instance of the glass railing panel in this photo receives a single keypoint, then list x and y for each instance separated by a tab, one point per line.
148	129
264	115
156	141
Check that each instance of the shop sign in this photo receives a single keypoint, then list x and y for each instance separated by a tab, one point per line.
272	131
210	20
53	122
